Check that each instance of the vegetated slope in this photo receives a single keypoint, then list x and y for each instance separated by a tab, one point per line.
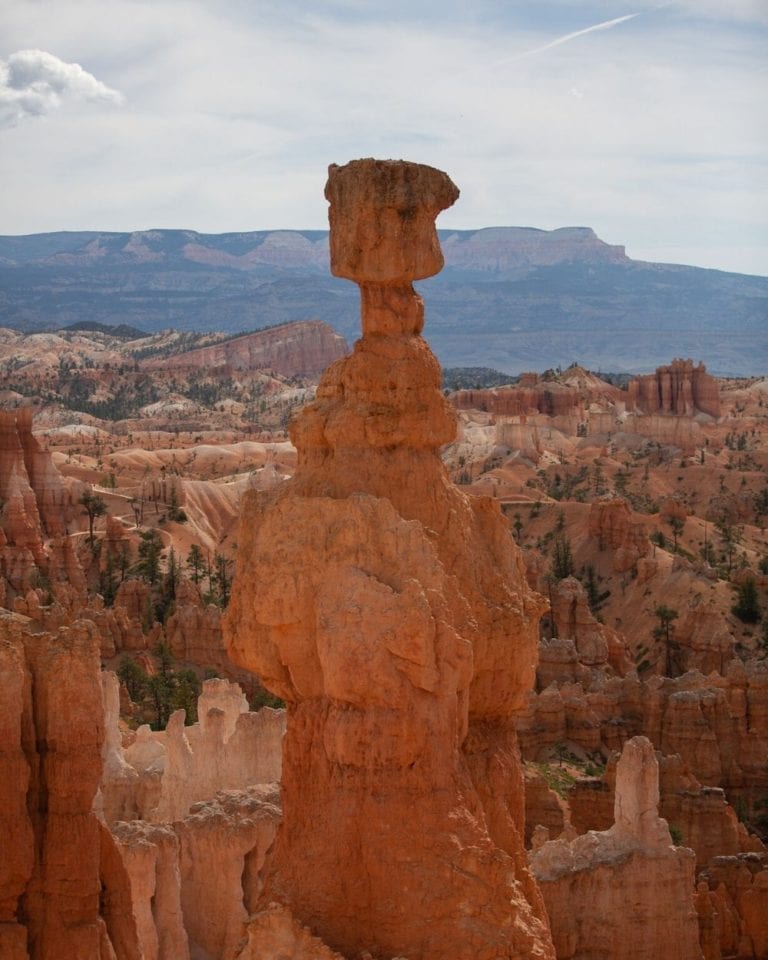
197	381
509	297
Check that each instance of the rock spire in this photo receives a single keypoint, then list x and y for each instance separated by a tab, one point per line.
392	614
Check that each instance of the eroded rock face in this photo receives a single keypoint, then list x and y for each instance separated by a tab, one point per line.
36	500
273	934
150	855
392	614
223	842
595	645
706	823
570	395
36	507
679	388
601	888
732	902
611	523
60	872
719	724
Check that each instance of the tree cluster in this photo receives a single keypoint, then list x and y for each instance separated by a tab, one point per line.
158	694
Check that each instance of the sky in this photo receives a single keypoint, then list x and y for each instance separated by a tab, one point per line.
646	121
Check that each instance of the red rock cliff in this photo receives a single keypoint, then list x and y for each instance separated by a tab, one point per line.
391	612
35	502
59	877
679	388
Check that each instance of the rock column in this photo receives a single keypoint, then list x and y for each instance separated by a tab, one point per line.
391	613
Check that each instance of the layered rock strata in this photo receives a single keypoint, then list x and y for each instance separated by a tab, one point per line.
391	613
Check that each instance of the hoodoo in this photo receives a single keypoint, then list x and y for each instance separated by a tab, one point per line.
391	612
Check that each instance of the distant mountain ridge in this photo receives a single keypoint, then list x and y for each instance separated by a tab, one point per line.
513	298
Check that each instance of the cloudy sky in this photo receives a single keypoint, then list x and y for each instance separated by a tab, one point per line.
644	120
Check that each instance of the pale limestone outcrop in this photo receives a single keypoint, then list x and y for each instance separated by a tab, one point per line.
162	773
223	843
626	893
116	799
392	614
229	748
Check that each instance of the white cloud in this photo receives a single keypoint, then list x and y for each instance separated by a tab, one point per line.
33	82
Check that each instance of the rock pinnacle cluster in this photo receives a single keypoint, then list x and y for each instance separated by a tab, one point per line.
391	613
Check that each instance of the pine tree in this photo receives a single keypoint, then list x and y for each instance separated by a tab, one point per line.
150	547
746	608
133	677
562	561
94	506
196	563
666	617
222	578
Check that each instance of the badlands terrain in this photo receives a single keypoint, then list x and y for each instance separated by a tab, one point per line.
535	611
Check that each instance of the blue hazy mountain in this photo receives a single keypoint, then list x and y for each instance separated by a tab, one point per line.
512	298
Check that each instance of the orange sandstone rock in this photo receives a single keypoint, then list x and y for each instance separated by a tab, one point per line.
274	934
611	523
392	614
17	860
602	889
732	902
679	388
58	878
596	645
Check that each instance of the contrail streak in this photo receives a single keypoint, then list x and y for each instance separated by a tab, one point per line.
605	25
